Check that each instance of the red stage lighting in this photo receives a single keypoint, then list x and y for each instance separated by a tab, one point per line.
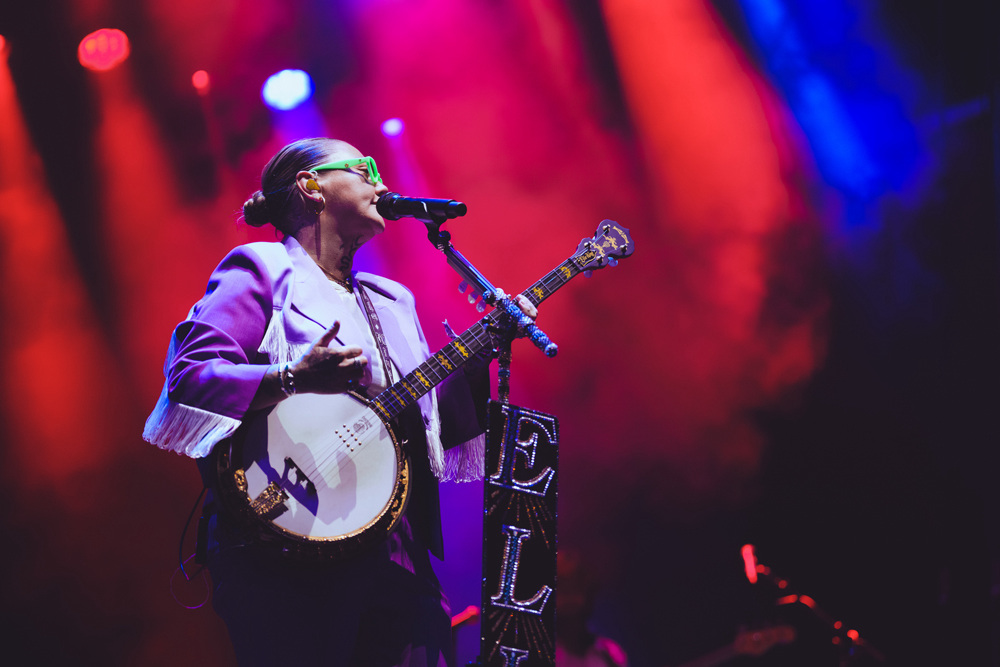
749	562
201	82
103	49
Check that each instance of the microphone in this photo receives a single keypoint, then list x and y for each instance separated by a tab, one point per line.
392	206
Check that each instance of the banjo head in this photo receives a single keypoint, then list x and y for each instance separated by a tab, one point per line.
321	474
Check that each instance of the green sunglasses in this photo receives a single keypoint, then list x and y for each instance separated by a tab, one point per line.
371	175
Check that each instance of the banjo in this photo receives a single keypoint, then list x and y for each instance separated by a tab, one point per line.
322	475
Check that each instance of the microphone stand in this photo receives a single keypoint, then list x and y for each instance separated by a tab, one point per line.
490	294
503	488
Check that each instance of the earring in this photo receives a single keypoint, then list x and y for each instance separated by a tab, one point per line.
320	205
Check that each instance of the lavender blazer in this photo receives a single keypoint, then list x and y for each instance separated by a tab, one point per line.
265	304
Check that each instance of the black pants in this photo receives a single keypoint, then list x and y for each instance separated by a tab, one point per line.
367	611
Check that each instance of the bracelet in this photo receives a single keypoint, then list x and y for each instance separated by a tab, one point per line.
287	381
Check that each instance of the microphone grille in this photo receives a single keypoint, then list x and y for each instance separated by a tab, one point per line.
384	206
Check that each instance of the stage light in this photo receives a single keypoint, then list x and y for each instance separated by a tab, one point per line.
201	82
287	89
392	127
103	49
3	43
861	137
749	562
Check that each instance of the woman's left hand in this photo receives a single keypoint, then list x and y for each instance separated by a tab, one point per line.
526	306
484	358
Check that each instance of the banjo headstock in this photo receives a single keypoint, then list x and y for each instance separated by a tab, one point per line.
610	243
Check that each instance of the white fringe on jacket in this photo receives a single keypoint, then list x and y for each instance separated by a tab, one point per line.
194	432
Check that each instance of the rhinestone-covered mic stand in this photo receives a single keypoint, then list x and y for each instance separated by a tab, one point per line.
517	627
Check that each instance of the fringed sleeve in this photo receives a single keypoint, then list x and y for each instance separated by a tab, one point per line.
467	462
214	367
275	345
186	430
464	462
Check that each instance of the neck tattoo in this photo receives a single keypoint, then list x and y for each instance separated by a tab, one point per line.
347	255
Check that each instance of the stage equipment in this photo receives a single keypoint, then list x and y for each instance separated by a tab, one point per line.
519	538
392	206
287	89
851	646
392	127
522	455
103	49
201	82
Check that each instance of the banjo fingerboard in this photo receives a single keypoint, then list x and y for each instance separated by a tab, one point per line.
396	398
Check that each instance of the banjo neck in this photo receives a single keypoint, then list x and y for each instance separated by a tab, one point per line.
610	243
432	372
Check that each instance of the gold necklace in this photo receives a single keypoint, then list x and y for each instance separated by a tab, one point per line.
346	284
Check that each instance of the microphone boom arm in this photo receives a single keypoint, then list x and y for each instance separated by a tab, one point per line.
471	275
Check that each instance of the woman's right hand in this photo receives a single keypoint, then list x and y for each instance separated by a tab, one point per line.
330	370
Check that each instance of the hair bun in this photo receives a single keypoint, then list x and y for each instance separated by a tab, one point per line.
255	210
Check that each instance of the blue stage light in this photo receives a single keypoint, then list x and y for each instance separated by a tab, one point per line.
863	141
287	89
392	127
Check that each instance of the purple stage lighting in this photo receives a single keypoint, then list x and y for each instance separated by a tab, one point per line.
392	127
287	89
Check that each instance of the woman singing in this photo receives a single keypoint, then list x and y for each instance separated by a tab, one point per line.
293	317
